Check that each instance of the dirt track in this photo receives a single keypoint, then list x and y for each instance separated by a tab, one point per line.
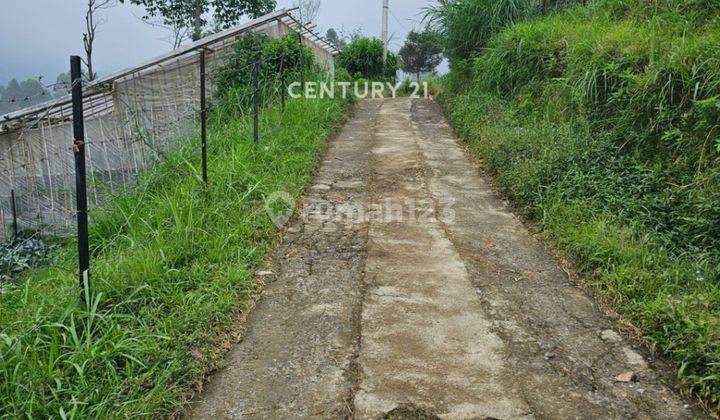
427	297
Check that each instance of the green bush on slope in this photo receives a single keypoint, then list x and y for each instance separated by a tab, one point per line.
602	123
363	58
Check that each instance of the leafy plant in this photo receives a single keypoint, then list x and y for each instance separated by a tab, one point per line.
234	80
22	254
190	13
363	58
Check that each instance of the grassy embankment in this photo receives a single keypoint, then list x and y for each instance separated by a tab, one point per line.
602	124
173	265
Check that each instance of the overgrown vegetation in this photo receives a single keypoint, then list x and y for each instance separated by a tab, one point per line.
602	123
172	265
467	25
363	59
234	86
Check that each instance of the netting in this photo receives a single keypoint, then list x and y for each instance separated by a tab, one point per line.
131	121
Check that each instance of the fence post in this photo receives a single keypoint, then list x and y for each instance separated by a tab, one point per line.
302	63
14	213
80	175
203	119
256	103
282	81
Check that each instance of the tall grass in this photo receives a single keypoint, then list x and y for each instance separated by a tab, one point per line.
172	264
468	25
603	124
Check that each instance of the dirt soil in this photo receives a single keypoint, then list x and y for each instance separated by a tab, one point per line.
426	298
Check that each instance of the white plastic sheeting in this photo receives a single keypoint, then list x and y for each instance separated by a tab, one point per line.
131	119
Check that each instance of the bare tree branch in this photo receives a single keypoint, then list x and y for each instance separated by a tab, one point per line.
91	25
179	32
308	10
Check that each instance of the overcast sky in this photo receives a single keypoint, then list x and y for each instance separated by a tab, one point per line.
38	36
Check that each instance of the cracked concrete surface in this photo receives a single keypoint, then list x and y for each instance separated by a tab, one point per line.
435	299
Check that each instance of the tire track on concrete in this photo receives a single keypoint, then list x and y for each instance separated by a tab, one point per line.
425	341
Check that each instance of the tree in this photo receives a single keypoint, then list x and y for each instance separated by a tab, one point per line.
189	13
342	37
421	53
17	95
334	38
308	10
91	25
363	57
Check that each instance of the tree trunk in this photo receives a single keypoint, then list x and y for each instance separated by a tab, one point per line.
89	38
417	75
90	75
197	32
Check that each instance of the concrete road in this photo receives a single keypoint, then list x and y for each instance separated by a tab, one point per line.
406	288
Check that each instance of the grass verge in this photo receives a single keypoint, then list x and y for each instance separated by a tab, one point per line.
590	207
172	266
602	124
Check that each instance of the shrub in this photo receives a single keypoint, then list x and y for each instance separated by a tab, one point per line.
363	58
233	80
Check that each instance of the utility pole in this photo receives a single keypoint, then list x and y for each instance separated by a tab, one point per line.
385	31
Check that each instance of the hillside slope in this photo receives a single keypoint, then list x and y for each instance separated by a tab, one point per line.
602	124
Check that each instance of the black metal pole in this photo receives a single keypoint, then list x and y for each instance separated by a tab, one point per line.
302	62
256	103
282	81
14	213
203	118
80	175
